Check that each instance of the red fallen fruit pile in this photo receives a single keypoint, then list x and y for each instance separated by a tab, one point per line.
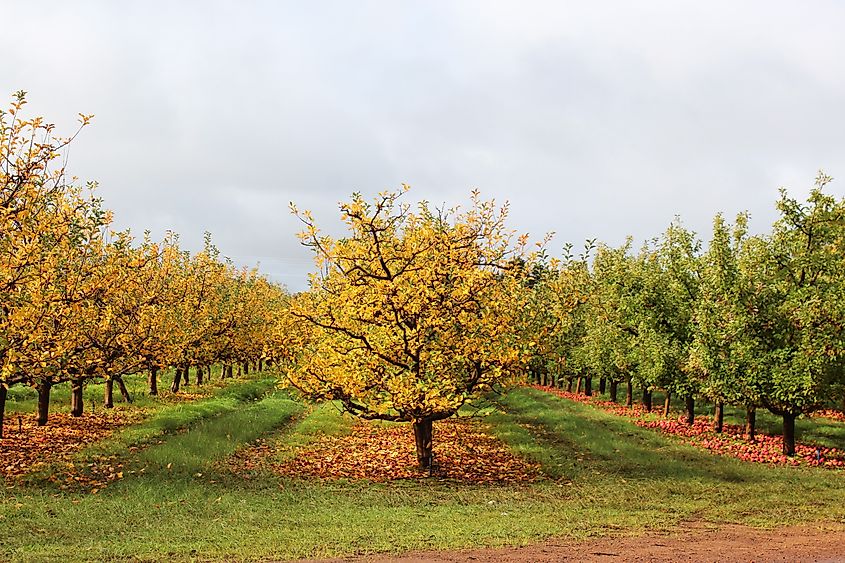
732	441
833	415
463	449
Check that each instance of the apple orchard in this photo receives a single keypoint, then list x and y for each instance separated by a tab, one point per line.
419	311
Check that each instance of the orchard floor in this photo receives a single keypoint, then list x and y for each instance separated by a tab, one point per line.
247	473
695	542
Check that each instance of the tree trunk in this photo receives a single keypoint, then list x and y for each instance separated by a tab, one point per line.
602	385
240	371
3	391
789	434
614	387
719	417
629	397
750	422
666	404
186	373
578	386
177	379
76	403
569	385
229	370
422	437
647	400
124	392
199	375
588	386
44	401
690	400
108	394
246	368
152	380
260	364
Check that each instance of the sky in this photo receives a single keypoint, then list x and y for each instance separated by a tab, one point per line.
593	119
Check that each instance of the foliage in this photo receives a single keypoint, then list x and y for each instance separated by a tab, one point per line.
413	313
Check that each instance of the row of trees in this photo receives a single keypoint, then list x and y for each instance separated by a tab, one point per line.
752	321
79	301
418	310
415	312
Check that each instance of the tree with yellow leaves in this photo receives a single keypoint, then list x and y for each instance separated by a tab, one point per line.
413	313
45	218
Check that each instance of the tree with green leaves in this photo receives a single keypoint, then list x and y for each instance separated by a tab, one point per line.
798	311
725	355
668	297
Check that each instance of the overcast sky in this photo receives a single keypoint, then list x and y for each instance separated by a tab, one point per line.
594	119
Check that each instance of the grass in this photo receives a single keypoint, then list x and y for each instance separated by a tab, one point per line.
213	439
607	477
323	419
169	419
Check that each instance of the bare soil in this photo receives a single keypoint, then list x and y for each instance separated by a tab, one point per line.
692	542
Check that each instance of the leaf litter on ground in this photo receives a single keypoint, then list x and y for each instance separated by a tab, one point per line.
464	450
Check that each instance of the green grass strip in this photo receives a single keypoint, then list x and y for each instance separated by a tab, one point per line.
216	438
173	418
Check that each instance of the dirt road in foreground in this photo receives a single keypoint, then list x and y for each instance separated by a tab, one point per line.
693	542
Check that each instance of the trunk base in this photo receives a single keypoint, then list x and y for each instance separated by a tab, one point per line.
647	400
423	440
76	404
152	381
177	380
44	401
789	435
719	418
124	392
690	410
751	423
108	394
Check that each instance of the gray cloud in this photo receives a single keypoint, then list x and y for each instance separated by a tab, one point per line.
593	119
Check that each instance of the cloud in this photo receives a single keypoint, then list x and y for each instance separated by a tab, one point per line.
595	120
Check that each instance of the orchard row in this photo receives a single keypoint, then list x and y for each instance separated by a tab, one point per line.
79	301
751	321
418	309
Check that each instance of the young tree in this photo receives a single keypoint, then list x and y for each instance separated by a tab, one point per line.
725	355
413	313
799	307
45	218
612	321
668	297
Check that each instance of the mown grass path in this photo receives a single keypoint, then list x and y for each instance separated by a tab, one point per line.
606	477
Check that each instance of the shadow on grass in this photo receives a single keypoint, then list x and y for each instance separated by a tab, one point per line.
577	439
195	451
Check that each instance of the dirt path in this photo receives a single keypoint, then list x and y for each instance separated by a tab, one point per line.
694	542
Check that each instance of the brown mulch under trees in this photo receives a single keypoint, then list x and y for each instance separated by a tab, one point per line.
463	450
26	447
693	542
